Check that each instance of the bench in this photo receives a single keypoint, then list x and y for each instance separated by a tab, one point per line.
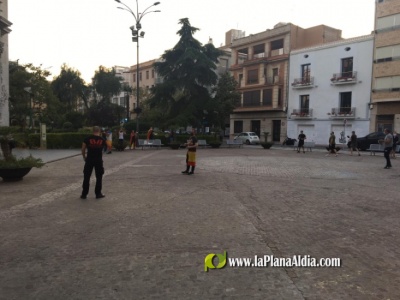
150	143
307	145
202	143
379	148
234	143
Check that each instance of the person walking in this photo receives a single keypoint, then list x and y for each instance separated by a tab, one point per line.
388	143
132	141
332	144
92	153
191	154
353	143
395	143
301	138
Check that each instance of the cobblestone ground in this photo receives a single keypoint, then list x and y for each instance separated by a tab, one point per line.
148	238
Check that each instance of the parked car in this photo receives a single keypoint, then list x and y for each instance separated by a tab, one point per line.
363	143
248	138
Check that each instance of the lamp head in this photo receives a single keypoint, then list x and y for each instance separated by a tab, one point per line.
142	34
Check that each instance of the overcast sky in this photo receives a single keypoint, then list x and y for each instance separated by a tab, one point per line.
85	34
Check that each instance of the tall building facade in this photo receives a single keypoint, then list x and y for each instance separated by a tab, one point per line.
4	73
330	90
260	64
385	100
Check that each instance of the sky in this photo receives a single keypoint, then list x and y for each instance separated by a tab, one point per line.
85	34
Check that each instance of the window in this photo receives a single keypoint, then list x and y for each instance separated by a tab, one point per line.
275	75
388	83
122	101
267	97
279	97
152	73
347	67
240	79
242	55
252	76
134	77
278	44
251	98
147	74
306	72
237	126
304	104
345	103
140	76
114	100
259	51
388	22
387	53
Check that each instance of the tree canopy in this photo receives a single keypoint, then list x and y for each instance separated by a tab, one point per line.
31	95
106	83
188	72
69	87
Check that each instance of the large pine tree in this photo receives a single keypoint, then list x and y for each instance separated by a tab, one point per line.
188	72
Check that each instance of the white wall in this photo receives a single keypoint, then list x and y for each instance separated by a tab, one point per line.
325	60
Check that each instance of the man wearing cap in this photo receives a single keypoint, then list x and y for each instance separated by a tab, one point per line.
93	158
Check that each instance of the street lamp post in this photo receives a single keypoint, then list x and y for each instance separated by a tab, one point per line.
136	34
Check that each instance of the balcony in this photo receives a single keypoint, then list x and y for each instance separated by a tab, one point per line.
302	113
271	80
257	106
344	78
303	83
343	113
277	52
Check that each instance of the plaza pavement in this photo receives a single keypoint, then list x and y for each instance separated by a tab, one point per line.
148	238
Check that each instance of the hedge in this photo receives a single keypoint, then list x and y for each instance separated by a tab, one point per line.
73	140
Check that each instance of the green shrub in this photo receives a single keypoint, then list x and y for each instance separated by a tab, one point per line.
71	140
26	162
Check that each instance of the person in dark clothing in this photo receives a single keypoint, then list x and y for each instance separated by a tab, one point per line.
301	138
388	143
92	152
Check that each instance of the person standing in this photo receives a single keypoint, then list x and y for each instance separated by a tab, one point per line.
395	143
109	141
92	152
301	138
150	134
353	143
332	144
388	143
132	142
121	139
191	154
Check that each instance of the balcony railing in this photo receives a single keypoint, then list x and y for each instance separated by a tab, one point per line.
258	104
302	113
277	52
271	80
343	113
344	78
303	82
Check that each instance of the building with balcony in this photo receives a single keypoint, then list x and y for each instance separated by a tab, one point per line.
385	100
148	78
260	64
330	89
4	72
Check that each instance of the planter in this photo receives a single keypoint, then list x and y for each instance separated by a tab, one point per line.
267	145
215	145
14	174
